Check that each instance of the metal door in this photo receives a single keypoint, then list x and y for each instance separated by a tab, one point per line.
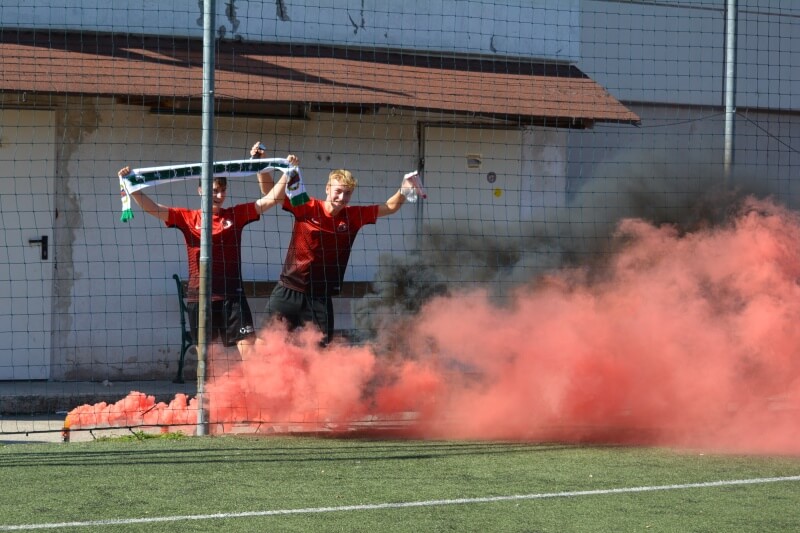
27	167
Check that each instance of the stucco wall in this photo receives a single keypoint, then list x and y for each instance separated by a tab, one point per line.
538	28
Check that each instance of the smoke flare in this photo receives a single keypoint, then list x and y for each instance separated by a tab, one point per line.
683	339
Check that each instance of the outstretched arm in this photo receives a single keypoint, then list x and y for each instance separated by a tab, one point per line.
392	205
159	211
396	201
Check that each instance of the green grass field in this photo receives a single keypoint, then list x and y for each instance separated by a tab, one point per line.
241	483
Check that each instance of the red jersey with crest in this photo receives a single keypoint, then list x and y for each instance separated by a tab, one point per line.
320	246
226	247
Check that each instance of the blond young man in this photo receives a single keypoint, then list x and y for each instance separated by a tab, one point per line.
322	237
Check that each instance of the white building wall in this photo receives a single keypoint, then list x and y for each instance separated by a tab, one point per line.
664	59
527	28
673	52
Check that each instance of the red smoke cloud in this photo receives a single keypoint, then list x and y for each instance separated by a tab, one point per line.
678	340
135	410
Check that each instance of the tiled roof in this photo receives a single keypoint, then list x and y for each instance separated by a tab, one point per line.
144	68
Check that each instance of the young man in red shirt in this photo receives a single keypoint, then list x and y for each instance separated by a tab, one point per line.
231	318
322	237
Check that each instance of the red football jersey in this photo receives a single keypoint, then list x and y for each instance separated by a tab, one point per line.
320	246
226	251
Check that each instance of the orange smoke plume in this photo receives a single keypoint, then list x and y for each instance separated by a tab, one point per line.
678	339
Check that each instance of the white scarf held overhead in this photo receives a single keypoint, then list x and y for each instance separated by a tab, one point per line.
141	178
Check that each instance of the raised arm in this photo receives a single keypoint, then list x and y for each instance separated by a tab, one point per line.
396	201
274	193
392	205
273	197
265	179
159	211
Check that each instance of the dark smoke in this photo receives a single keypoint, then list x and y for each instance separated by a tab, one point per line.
686	195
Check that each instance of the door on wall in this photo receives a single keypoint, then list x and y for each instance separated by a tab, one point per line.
473	180
27	167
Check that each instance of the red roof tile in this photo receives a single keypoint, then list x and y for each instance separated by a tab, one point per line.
151	66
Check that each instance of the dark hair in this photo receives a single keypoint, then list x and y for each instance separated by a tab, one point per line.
222	181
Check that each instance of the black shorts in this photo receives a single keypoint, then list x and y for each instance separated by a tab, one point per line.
231	320
297	308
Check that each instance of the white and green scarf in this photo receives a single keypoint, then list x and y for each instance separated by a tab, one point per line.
141	178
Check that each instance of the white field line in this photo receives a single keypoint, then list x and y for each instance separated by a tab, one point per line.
399	505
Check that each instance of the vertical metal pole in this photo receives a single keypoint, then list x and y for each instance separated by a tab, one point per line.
419	220
730	84
207	185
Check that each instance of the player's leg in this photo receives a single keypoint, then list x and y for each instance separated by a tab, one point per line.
220	359
286	304
238	330
320	312
216	358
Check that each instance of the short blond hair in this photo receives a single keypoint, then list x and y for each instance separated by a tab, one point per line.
345	177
